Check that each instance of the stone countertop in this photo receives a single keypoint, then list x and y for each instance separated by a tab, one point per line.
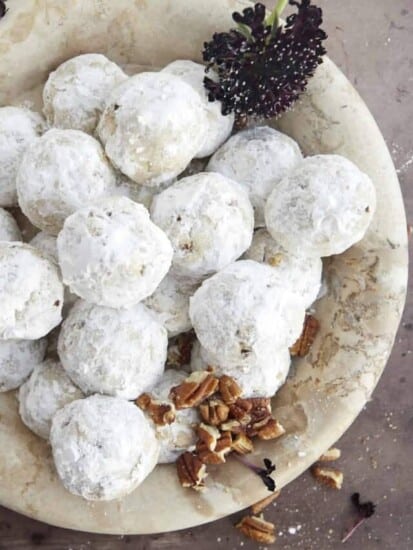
372	42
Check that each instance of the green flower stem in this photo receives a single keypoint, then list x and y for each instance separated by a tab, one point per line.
280	6
273	18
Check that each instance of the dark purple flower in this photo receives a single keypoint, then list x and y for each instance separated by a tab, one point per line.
262	68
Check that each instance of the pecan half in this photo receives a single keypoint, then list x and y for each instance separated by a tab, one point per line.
242	444
331	455
328	476
257	529
161	413
194	390
208	435
229	389
271	430
303	345
214	412
191	471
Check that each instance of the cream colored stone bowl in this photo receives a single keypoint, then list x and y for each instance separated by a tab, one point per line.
359	315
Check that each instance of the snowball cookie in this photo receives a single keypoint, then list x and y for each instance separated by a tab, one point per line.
139	193
9	230
257	158
75	93
17	360
322	208
219	125
112	254
300	274
243	315
47	244
46	391
31	292
261	380
152	126
180	436
208	219
103	447
59	173
170	304
120	352
18	128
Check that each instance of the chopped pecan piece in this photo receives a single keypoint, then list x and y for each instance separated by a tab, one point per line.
271	430
303	344
229	389
260	414
232	426
191	471
214	412
257	529
218	454
259	506
242	444
261	408
224	443
331	455
328	476
208	435
161	413
240	410
194	390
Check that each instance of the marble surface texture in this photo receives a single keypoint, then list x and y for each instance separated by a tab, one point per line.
326	392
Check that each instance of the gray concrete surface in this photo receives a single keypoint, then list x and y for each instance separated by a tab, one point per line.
372	41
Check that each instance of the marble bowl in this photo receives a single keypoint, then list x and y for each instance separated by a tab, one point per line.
359	315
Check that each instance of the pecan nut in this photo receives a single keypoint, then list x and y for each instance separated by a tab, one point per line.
257	529
331	455
303	345
220	451
328	476
191	471
242	444
161	413
240	410
229	389
271	430
214	412
208	435
232	426
261	408
194	390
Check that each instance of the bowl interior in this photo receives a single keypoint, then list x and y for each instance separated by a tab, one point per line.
365	286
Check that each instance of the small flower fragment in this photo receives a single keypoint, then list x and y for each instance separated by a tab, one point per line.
263	473
263	67
364	511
